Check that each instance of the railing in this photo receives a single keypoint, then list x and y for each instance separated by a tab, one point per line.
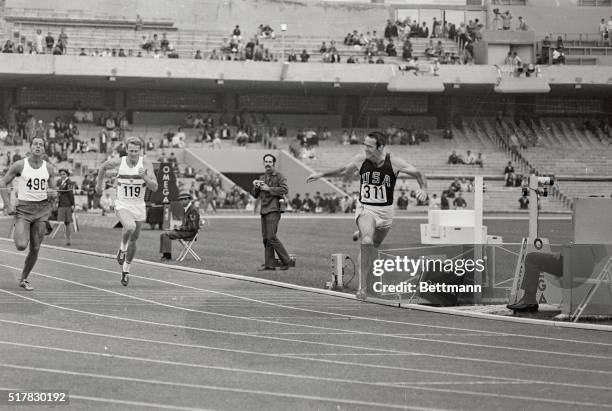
594	3
573	39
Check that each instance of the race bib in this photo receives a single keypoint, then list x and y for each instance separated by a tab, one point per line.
371	193
131	191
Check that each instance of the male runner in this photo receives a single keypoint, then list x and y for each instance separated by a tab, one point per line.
134	174
378	172
34	177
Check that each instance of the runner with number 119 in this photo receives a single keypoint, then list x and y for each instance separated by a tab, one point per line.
135	173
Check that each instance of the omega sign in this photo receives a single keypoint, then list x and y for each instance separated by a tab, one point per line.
167	192
166	183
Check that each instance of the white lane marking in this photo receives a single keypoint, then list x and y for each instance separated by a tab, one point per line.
213	387
348	297
494	347
298	357
303	397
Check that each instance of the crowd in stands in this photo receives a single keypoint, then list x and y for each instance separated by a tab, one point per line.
322	203
207	190
469	159
40	44
406	135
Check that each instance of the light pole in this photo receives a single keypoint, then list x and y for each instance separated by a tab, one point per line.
283	30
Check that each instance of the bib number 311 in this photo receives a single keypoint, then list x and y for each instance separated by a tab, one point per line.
371	193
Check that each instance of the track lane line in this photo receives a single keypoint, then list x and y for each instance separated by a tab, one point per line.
364	333
219	388
307	397
330	313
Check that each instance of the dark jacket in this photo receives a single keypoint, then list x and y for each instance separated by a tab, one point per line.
65	194
191	220
278	189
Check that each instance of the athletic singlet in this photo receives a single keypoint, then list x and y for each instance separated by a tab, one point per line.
130	186
32	183
377	183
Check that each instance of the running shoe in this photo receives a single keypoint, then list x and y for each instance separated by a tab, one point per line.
356	235
121	257
125	278
25	284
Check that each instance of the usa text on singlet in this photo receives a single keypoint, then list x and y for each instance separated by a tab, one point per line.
32	184
130	186
377	183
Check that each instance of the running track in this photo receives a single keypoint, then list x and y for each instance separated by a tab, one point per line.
180	340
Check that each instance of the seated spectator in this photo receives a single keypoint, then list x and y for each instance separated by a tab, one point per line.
308	206
558	56
402	201
178	139
92	146
304	56
353	137
459	201
454	158
242	138
296	203
479	161
390	49
466	186
187	230
172	53
469	158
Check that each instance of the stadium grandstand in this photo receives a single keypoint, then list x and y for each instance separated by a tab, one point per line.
497	78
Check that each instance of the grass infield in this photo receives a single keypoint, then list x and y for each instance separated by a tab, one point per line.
235	246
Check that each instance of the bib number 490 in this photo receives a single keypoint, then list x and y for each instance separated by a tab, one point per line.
37	184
